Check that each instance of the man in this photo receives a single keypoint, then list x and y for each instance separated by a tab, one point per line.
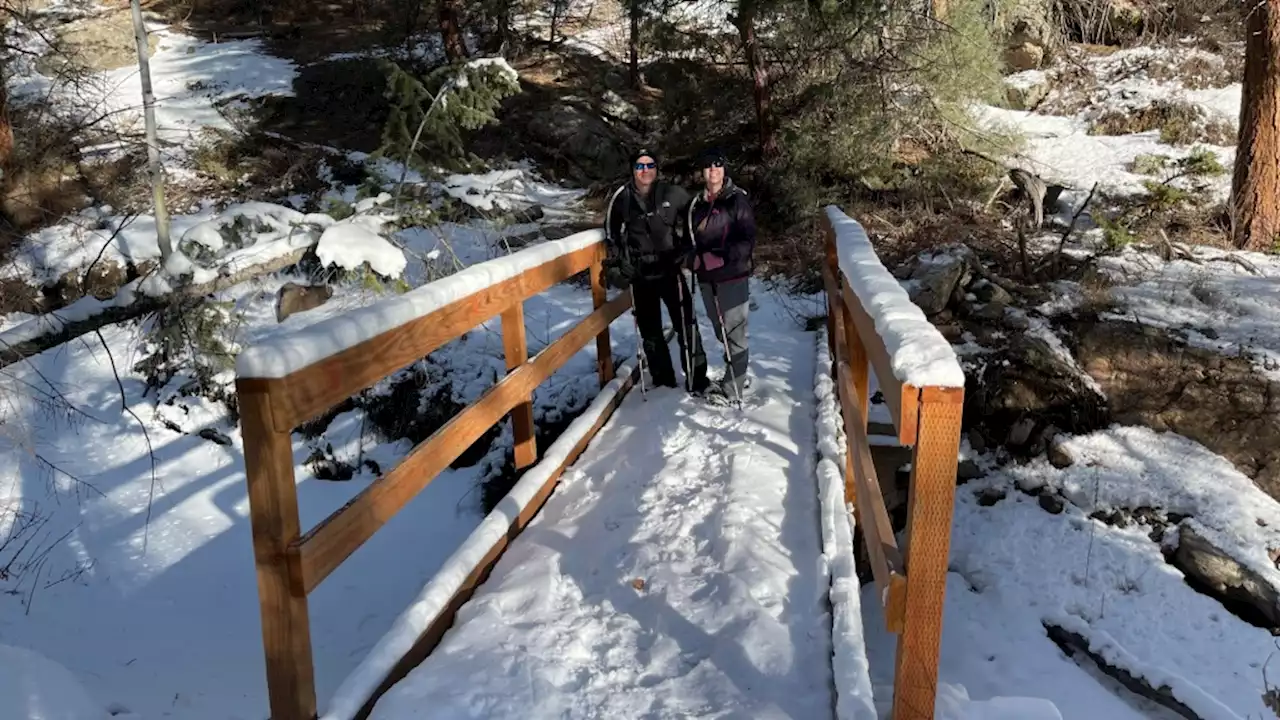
723	227
647	250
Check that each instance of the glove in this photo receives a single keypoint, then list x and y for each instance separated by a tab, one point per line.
618	272
709	260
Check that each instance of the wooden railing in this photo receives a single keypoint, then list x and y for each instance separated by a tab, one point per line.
290	563
912	583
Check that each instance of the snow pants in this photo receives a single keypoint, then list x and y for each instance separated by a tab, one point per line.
728	304
649	296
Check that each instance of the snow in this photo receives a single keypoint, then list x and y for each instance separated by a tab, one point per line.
1061	149
919	354
33	687
284	354
351	243
435	597
1015	567
854	700
676	571
1218	304
190	78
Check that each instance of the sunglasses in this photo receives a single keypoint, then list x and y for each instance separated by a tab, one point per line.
713	163
646	166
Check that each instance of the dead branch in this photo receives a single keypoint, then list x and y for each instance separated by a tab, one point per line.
1057	258
112	314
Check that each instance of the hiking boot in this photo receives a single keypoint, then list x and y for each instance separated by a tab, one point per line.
700	385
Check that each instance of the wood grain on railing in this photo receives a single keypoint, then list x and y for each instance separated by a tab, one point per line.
291	564
912	585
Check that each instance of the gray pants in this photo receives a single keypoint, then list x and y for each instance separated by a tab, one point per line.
730	300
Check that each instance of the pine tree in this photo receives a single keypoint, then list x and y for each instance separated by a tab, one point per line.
1256	184
428	116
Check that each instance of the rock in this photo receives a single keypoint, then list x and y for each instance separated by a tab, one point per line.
1225	577
990	496
295	298
992	311
976	440
104	279
1052	504
968	470
1020	433
1027	21
1029	385
592	146
1059	456
934	279
214	435
1024	90
989	292
1221	402
1024	57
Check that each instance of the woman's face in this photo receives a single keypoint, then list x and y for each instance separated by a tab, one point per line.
713	175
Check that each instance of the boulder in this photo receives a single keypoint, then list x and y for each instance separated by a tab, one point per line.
935	279
592	147
1028	32
1024	57
295	298
1025	90
1028	389
1225	577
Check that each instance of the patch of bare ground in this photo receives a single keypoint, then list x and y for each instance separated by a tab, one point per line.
101	41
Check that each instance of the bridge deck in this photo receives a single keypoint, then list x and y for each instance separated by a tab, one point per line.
676	572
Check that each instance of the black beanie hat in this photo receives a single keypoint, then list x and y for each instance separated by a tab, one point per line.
641	152
711	155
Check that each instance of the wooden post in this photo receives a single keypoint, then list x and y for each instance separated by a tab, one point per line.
604	348
273	513
516	347
928	541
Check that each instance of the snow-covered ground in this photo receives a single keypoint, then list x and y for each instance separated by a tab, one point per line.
1061	148
675	572
1015	567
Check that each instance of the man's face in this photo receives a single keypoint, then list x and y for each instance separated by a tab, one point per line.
713	174
645	170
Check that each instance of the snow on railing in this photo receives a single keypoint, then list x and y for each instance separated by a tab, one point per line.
920	355
289	352
873	324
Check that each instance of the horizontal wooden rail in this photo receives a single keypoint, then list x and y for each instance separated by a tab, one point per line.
349	527
306	393
291	564
912	585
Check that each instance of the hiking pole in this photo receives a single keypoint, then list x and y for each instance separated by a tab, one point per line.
686	352
640	358
724	339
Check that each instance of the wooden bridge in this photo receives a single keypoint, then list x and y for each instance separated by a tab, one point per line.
292	380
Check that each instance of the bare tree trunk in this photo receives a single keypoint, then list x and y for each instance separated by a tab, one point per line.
633	44
1256	184
451	30
6	129
153	141
504	25
746	22
555	19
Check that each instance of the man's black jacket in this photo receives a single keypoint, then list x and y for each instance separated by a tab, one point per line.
648	231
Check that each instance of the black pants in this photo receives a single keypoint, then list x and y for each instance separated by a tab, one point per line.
650	294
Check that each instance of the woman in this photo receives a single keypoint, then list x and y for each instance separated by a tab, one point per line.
723	228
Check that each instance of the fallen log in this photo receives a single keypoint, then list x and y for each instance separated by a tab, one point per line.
89	313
